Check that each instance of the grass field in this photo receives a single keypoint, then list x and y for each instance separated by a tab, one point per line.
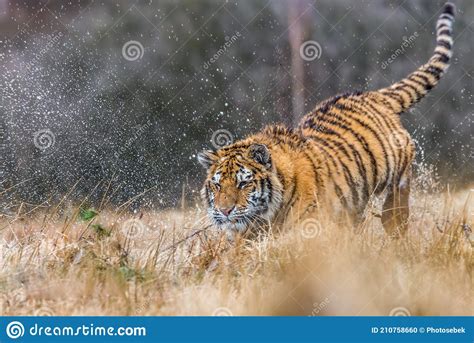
63	261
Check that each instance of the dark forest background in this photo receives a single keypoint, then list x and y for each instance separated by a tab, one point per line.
137	125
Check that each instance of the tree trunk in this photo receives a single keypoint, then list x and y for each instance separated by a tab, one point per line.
296	22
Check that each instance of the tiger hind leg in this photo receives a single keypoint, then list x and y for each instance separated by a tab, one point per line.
396	211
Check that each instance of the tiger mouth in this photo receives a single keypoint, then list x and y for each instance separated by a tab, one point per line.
234	220
237	223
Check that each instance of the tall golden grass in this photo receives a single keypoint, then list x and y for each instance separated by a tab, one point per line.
52	262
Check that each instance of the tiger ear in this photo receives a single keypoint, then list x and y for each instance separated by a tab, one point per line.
261	154
207	158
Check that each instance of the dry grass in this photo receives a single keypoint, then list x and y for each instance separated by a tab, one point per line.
52	262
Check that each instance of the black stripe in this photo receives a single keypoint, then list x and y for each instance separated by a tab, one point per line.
208	197
338	145
395	96
375	133
413	88
316	175
325	144
359	161
435	71
340	195
281	179
311	206
309	123
262	185
449	9
443	58
239	165
445	32
444	44
347	174
446	16
380	117
341	147
352	185
392	127
417	93
270	190
421	76
293	194
359	138
428	85
319	181
418	83
386	103
410	96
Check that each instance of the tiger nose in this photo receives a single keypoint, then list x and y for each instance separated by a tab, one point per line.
226	211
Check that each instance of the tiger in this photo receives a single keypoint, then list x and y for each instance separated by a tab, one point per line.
347	149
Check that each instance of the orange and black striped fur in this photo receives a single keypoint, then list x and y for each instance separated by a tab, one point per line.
347	149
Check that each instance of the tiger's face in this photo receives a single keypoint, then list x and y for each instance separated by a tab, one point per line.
239	189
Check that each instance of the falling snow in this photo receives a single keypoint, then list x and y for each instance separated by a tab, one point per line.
136	115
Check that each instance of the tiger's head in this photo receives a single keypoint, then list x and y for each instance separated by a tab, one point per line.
241	187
